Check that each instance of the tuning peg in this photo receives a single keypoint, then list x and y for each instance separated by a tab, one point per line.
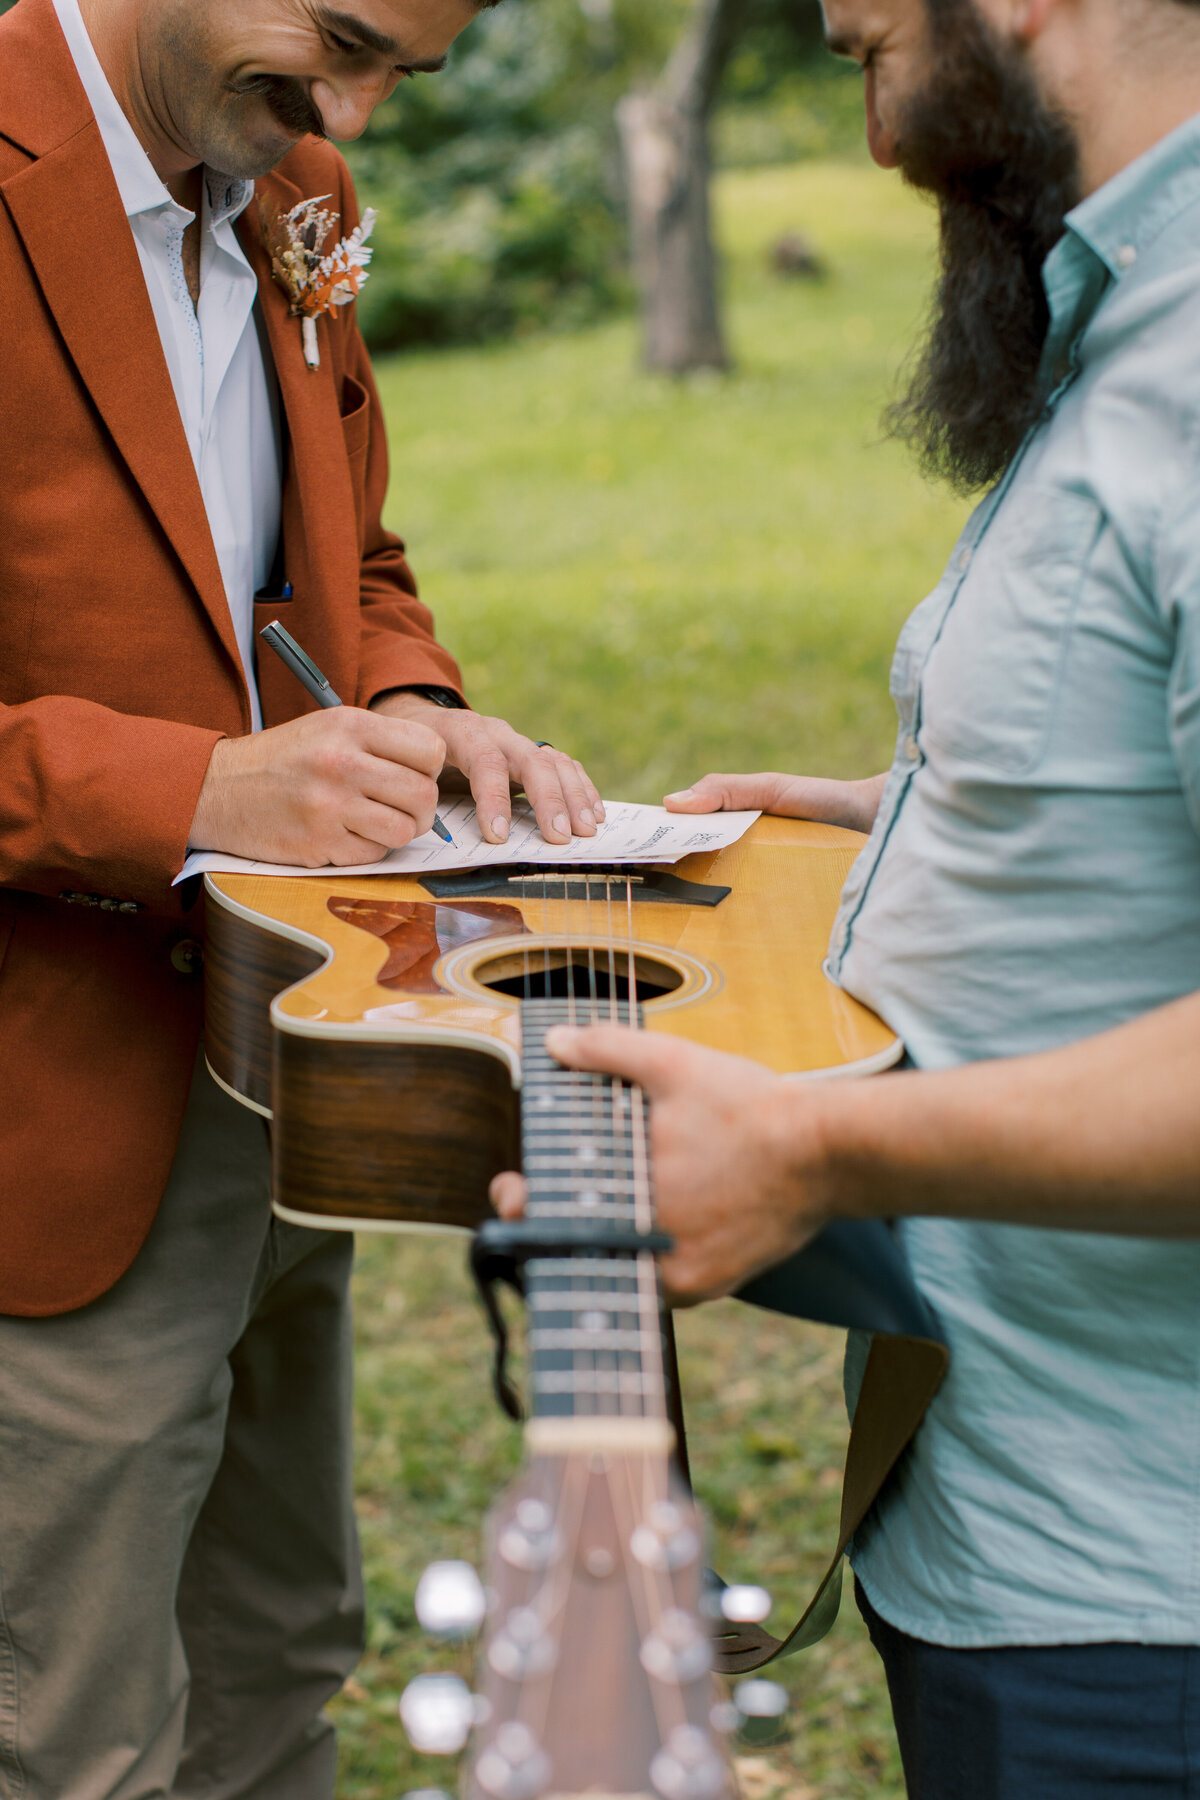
437	1712
678	1649
761	1705
450	1601
522	1647
745	1605
531	1539
666	1539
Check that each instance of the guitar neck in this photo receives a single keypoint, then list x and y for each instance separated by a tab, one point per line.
595	1320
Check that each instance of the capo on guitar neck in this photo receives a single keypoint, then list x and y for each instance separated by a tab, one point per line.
500	1250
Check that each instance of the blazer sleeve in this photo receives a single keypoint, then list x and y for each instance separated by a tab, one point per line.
77	812
397	646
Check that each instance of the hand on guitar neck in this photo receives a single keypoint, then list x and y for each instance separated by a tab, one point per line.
712	1136
711	1113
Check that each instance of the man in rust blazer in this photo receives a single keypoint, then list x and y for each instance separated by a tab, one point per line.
178	1570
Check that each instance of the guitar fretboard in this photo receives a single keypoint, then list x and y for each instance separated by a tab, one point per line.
595	1333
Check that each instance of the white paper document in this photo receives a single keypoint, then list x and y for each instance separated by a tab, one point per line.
629	834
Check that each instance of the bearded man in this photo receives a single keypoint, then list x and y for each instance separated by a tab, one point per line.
1026	915
179	1586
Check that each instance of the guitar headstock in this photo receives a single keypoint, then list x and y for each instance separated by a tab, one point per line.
596	1660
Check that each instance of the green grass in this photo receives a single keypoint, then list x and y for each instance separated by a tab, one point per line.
669	577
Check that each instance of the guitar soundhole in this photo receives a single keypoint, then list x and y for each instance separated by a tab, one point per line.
563	972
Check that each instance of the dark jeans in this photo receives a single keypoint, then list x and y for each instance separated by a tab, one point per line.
1061	1722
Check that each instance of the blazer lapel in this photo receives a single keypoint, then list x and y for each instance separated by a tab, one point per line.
320	549
67	210
310	397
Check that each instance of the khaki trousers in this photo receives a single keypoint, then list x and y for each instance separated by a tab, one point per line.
179	1578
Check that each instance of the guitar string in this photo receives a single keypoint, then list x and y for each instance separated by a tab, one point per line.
651	1591
654	1469
549	1598
627	1362
598	1361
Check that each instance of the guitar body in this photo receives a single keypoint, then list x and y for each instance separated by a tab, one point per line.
379	1023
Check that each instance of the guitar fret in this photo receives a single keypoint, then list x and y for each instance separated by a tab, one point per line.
635	1382
591	1268
586	1300
595	1331
602	1338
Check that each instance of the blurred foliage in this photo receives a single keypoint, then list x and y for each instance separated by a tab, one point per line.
497	181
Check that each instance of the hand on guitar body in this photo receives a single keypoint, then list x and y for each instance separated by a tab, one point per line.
851	804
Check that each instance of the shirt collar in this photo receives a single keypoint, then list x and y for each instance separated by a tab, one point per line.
140	187
1109	232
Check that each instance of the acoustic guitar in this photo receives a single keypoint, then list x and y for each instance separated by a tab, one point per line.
393	1029
379	1021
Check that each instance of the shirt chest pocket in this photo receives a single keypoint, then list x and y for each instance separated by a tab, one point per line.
991	682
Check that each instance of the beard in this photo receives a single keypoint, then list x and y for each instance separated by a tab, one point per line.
1004	170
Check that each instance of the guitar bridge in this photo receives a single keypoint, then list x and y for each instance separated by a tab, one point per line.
654	887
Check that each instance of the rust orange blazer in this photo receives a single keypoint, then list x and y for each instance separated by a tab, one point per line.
118	664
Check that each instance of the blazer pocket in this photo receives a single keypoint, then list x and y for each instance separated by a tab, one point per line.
356	417
992	681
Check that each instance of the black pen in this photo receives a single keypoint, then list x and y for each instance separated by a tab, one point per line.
311	679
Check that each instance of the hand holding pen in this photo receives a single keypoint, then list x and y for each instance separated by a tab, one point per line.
339	786
311	679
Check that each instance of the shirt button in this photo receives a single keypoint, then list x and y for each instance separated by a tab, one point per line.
1126	256
187	956
912	749
841	935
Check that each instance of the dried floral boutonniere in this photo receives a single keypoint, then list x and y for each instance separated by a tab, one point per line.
315	282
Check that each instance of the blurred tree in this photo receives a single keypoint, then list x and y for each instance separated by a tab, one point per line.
665	139
494	180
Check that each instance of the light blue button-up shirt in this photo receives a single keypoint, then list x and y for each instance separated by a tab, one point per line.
1033	877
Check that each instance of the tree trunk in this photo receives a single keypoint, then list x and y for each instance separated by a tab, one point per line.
664	141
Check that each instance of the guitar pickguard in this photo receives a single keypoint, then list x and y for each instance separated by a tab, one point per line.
417	933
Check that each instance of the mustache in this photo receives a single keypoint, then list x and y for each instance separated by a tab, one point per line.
289	103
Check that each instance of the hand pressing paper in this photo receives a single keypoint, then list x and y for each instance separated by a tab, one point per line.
628	834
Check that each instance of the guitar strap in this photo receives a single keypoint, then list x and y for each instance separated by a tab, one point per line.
853	1275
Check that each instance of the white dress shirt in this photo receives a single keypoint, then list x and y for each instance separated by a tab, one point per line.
224	385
